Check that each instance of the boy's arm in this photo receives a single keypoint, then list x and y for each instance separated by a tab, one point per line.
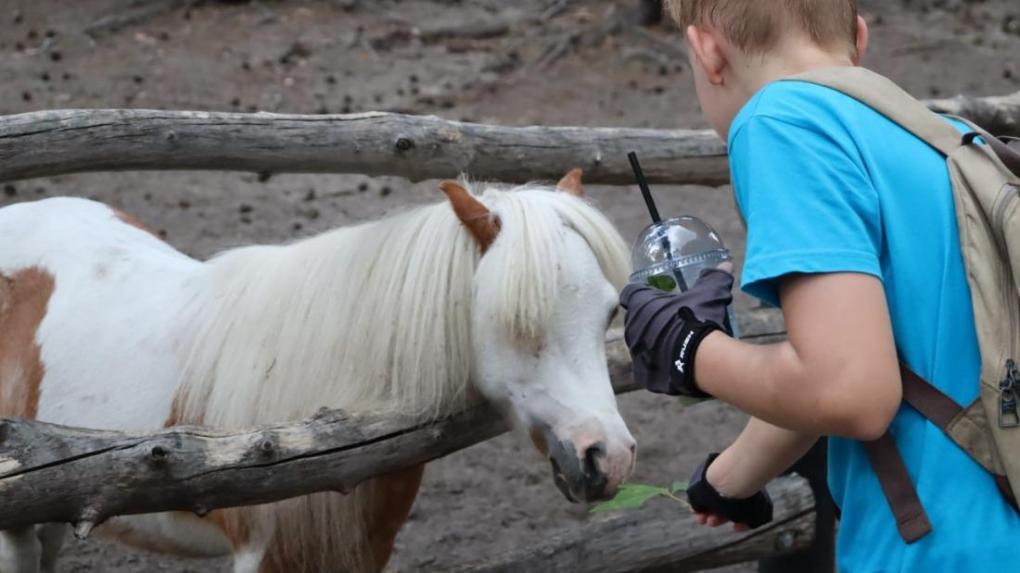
760	453
837	374
818	381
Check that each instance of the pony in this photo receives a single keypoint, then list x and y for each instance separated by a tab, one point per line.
502	296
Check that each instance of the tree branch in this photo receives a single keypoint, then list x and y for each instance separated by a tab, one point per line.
661	537
51	473
46	143
998	114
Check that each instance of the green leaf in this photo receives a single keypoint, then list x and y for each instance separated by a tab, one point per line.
631	496
678	486
662	282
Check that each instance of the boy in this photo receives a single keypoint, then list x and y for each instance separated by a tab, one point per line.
852	231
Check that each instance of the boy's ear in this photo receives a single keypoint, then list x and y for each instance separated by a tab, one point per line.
862	40
708	53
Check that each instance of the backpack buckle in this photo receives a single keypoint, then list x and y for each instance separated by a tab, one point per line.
1009	416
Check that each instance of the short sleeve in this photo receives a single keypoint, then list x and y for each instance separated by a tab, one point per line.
809	204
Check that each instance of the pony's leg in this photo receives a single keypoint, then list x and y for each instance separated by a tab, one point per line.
51	539
20	550
248	559
393	495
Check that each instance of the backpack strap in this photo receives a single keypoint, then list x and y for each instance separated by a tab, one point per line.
1007	149
931	402
911	519
888	99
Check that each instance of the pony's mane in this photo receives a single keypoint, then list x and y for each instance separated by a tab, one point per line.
521	265
375	317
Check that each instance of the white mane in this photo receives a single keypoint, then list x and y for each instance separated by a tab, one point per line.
368	317
527	250
374	317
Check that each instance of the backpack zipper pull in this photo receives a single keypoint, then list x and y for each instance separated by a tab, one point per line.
1009	416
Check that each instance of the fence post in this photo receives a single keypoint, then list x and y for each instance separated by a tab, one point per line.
820	556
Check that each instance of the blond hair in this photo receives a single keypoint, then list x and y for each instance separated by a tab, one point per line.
755	26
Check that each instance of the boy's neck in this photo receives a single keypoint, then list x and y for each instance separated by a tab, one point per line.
792	57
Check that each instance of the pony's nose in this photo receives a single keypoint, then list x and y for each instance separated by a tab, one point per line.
589	466
588	479
604	471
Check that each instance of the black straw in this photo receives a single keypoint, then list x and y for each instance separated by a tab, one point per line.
643	184
646	192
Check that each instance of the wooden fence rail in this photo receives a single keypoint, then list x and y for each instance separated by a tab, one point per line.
55	142
662	538
51	473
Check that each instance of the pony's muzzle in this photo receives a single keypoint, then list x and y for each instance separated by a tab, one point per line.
587	473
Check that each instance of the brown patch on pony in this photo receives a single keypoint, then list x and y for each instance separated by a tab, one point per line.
123	532
24	297
480	222
235	524
538	438
383	503
176	417
129	219
571	183
395	495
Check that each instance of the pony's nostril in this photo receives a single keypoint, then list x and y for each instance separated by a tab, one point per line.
561	482
595	480
591	458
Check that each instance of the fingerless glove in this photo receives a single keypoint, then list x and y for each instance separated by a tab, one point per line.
664	330
753	511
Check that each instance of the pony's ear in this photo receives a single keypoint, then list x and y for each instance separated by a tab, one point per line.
480	222
571	183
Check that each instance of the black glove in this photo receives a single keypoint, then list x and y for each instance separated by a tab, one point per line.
663	330
753	511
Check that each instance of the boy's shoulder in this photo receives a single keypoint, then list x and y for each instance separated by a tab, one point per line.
801	105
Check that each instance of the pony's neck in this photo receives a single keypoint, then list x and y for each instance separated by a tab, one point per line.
372	317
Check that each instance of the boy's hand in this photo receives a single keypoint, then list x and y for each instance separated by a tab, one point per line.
663	330
712	509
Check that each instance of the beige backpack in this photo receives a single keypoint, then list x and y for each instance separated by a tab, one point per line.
985	173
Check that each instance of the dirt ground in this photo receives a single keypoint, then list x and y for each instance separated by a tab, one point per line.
557	63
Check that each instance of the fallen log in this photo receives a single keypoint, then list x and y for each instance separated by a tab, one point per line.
662	537
998	114
46	143
51	473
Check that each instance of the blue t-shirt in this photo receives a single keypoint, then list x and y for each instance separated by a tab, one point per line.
826	184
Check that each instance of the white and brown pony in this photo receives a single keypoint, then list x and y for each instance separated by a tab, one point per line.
506	295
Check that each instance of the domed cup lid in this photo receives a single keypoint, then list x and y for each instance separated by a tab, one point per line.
674	243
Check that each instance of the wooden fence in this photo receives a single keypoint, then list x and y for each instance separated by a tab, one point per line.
55	142
55	474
